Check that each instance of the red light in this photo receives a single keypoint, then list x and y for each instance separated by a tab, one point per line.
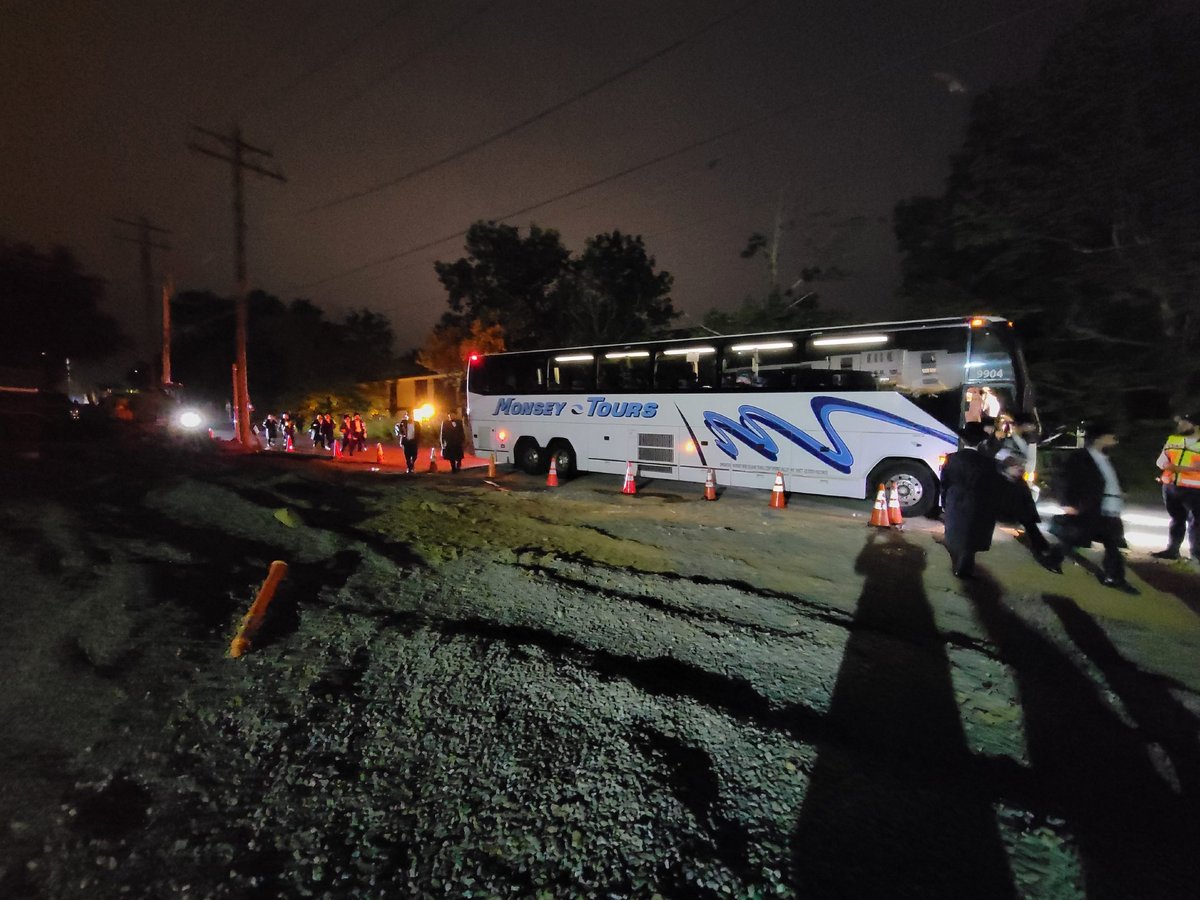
473	358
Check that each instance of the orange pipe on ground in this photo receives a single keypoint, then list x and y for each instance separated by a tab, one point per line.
258	609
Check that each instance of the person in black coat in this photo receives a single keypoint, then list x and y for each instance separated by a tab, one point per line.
453	441
1092	501
970	490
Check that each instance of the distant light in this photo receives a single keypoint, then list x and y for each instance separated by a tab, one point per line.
627	354
773	345
423	413
575	357
189	418
688	351
472	358
851	340
978	321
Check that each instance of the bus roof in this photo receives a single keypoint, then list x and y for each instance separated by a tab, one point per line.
902	324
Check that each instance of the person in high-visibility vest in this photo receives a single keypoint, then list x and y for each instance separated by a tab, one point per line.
1180	464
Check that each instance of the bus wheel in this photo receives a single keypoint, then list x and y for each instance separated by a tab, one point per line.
563	455
530	457
915	486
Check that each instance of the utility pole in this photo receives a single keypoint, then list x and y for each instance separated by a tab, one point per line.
236	156
168	290
146	241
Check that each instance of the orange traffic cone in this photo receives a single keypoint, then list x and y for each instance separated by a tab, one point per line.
778	498
337	449
895	516
552	478
630	486
710	486
492	465
432	460
879	515
379	453
288	446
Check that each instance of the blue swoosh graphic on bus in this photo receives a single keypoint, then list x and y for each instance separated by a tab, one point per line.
750	431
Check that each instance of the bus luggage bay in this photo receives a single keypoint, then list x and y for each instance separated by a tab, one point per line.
837	410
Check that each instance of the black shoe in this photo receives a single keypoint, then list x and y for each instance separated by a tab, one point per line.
1119	583
1166	554
1051	560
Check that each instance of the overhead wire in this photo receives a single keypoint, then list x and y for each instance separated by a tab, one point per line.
681	150
536	117
276	95
346	101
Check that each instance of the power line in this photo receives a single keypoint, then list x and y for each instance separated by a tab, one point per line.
536	117
679	151
275	96
345	102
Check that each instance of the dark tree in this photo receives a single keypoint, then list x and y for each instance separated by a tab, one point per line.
511	281
51	309
615	294
1074	208
293	350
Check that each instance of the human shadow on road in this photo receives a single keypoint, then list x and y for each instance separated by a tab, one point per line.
1133	833
884	813
1158	715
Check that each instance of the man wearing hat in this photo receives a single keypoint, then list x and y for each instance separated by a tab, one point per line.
970	489
1092	501
1180	464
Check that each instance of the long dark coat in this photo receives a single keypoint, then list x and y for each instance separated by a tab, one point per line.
1083	488
970	487
453	439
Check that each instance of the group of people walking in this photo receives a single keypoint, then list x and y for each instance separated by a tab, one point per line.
985	481
451	437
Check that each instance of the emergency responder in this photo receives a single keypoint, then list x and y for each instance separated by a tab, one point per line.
1180	464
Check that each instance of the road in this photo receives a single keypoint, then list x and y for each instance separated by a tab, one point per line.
517	690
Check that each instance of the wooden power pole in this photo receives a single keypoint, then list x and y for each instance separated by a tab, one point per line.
147	243
237	150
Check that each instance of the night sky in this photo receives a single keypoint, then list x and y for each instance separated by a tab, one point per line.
724	107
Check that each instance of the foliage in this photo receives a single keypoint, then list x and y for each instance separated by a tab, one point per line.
777	311
446	348
1074	208
540	296
616	294
50	306
296	356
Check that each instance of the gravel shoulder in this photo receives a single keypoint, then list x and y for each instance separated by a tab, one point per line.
467	691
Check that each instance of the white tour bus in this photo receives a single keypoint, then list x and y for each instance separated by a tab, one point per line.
836	410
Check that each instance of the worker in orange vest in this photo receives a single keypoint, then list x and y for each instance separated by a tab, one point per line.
1180	464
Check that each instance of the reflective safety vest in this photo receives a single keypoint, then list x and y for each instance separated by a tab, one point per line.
1180	451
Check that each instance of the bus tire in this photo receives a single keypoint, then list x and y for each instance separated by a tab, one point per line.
530	457
916	487
563	455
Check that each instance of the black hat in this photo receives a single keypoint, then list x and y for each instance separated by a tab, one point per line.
973	433
1193	417
1093	428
